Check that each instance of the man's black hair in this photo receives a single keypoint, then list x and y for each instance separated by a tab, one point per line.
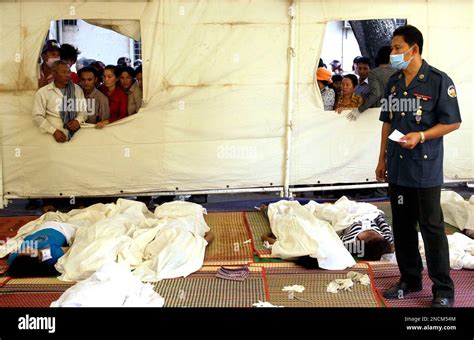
411	35
127	69
68	52
336	77
375	248
87	69
362	60
383	55
138	70
27	266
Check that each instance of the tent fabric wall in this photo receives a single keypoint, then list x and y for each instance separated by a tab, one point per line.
216	91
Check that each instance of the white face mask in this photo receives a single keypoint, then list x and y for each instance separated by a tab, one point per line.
51	61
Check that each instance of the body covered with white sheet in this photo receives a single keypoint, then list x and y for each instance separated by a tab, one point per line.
179	245
343	213
299	233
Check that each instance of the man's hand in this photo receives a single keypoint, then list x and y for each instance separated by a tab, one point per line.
102	124
59	136
381	171
410	140
353	115
73	125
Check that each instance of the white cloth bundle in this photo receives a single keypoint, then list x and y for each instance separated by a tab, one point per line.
457	211
112	285
300	233
343	213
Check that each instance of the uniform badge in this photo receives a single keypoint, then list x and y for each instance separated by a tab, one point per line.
418	115
452	91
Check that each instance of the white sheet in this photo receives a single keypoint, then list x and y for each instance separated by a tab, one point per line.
461	251
111	286
343	213
179	246
299	233
457	211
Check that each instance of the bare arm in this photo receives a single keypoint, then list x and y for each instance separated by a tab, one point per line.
380	171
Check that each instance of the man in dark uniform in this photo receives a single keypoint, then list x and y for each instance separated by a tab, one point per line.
420	102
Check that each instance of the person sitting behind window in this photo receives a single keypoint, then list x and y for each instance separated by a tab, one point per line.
130	86
69	54
118	100
348	100
328	95
139	77
97	103
49	55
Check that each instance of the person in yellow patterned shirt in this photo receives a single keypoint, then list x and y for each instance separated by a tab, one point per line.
349	100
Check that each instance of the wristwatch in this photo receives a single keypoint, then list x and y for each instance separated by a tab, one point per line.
422	140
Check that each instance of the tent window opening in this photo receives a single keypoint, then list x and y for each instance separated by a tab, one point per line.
351	49
104	61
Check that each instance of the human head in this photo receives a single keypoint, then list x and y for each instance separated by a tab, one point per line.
363	68
87	75
124	61
24	265
110	76
406	37
50	52
323	76
335	65
69	54
383	55
354	64
349	82
137	63
139	77
375	245
337	82
126	77
99	67
61	72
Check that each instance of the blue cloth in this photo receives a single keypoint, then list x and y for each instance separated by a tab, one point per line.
45	238
421	167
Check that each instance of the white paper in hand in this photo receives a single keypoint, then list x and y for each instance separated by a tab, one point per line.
396	136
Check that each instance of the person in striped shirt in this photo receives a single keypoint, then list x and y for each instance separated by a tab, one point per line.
369	239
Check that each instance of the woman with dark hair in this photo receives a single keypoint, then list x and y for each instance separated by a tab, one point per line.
349	100
130	86
118	100
69	54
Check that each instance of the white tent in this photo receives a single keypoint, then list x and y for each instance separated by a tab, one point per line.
230	97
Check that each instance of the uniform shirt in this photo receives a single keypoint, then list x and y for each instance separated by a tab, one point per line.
46	109
98	109
118	102
363	88
329	96
378	224
46	238
134	99
378	79
421	167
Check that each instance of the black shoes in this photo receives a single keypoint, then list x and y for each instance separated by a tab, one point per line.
440	302
399	291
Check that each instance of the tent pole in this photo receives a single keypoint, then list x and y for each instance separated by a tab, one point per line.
290	107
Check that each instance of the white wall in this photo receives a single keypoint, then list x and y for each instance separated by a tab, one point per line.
97	43
339	44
